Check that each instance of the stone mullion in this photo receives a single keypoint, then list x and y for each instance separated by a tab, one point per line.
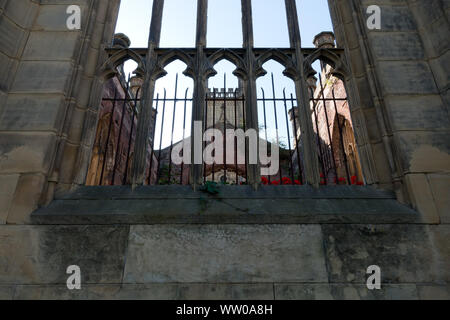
310	157
251	109
146	104
198	103
198	115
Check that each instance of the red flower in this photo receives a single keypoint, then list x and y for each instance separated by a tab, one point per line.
276	183
342	180
286	180
353	179
321	175
264	181
359	183
297	182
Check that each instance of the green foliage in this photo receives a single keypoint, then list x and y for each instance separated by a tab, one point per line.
211	188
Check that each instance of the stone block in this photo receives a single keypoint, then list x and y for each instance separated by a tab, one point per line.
53	17
169	291
344	292
26	152
417	112
12	37
225	254
440	67
8	185
394	18
22	12
41	254
7	292
403	252
397	46
406	77
8	67
440	236
440	186
42	77
422	197
51	46
26	198
60	292
225	292
33	112
430	292
423	151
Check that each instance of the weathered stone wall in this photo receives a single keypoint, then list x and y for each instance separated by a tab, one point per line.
16	159
411	57
50	90
46	110
225	261
404	66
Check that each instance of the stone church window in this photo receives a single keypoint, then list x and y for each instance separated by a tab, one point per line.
263	80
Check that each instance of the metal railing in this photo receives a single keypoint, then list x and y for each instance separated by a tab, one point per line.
330	145
224	109
120	109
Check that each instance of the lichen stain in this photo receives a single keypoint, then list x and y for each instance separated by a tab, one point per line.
427	158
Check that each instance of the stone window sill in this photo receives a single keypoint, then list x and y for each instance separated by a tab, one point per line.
233	205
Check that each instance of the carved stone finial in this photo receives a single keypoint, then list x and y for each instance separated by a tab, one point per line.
136	84
324	40
121	40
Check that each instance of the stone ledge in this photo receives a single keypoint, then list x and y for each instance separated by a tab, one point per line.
233	205
212	291
227	191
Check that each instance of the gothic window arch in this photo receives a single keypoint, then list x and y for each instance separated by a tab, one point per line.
298	64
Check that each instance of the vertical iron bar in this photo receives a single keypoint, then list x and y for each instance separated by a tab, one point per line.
245	142
108	136
276	124
328	128
130	139
300	173
184	134
214	126
341	139
152	153
235	138
225	126
289	135
158	172
125	101
205	128
319	144
265	121
173	128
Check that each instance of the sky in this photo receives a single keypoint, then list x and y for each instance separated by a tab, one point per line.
224	31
